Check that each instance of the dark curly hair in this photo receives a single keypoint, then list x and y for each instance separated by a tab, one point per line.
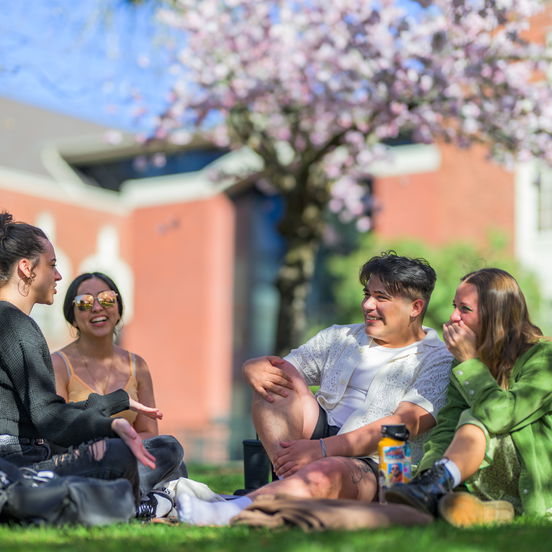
401	276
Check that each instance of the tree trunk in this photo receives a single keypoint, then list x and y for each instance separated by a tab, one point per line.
301	227
293	285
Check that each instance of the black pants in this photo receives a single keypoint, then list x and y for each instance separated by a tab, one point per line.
116	462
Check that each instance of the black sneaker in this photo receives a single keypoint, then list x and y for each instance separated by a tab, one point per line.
156	504
424	491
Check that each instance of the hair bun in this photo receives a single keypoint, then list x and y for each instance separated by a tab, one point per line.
5	220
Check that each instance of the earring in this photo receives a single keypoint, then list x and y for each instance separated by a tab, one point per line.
24	286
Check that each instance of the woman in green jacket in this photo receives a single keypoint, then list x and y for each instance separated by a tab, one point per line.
495	432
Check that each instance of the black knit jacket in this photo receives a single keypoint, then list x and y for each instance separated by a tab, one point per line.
29	405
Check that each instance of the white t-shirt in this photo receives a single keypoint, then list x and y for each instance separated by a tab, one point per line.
373	358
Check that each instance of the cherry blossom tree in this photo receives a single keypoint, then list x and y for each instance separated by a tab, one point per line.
316	87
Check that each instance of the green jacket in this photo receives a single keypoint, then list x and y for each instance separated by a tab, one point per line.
524	410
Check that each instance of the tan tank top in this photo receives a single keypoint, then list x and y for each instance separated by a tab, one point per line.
78	390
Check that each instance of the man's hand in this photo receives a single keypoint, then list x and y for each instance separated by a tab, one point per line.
295	455
460	340
149	411
267	378
133	441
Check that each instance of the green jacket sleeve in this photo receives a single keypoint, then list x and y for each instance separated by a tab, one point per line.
528	397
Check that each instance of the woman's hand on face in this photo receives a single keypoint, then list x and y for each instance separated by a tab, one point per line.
149	411
266	378
460	340
133	441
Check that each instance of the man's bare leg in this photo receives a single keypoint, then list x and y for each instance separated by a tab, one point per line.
287	418
332	477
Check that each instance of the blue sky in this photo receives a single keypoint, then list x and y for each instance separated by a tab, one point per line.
100	60
107	61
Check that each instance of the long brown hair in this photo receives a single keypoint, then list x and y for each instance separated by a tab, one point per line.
506	331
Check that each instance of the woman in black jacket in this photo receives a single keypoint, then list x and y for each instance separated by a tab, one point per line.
32	415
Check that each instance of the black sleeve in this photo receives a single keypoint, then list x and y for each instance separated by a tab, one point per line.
34	388
109	404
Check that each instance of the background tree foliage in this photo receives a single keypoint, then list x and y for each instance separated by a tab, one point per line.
316	88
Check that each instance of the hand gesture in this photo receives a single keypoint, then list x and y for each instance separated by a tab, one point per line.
149	411
295	455
460	340
133	441
267	378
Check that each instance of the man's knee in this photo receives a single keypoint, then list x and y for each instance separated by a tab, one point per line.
321	475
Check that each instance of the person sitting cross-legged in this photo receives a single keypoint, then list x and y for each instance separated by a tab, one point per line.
388	370
495	432
32	415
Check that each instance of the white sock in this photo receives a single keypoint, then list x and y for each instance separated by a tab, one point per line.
195	511
452	468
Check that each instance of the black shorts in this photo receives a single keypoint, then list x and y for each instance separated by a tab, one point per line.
323	430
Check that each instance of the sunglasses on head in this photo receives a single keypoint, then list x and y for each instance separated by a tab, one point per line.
85	301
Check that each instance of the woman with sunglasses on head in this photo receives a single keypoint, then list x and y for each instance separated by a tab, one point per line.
495	432
93	363
32	415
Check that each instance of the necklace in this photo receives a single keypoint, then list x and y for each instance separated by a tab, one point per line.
102	390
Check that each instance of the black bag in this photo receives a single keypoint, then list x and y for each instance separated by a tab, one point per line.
30	498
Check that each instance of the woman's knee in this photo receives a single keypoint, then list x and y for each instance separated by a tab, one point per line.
165	445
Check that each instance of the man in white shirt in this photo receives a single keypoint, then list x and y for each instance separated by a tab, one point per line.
388	370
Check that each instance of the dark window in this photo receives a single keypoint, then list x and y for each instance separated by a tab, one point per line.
111	174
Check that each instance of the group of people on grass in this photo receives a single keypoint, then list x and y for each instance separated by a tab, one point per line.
477	406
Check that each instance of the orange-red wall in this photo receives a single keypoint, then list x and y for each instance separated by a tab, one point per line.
467	197
183	258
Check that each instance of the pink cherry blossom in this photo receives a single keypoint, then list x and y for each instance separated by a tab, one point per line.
336	79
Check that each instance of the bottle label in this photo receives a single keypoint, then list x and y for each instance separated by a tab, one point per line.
395	465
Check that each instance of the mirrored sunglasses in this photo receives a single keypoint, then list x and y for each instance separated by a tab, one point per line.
85	302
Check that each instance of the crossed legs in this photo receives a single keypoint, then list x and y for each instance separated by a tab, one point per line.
295	417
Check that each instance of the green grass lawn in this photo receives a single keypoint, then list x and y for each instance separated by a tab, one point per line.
531	535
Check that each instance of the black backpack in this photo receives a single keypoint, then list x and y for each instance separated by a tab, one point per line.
28	497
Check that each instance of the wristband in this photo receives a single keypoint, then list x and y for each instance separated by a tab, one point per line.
323	448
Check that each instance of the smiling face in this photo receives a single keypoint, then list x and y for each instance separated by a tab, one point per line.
466	306
390	320
46	276
100	320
